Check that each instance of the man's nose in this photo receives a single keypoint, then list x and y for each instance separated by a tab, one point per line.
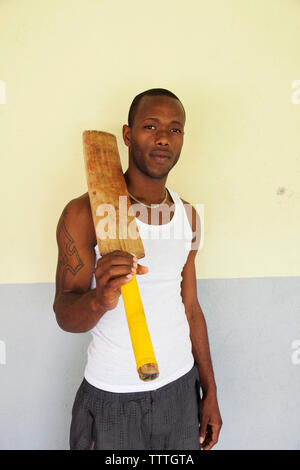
162	138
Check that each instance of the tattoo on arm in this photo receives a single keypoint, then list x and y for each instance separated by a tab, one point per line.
69	259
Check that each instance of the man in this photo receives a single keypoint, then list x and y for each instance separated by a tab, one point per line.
113	408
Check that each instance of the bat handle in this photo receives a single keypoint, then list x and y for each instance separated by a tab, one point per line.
146	363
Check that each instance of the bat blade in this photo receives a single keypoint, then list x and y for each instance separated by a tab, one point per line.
116	228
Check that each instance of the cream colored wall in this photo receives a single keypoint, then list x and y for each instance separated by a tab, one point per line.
71	65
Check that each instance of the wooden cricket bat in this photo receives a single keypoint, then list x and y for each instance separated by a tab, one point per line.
106	183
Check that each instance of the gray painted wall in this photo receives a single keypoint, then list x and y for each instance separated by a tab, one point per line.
252	324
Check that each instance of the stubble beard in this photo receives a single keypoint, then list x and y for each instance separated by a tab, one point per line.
137	157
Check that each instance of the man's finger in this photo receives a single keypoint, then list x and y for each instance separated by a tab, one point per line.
203	428
211	436
141	269
215	432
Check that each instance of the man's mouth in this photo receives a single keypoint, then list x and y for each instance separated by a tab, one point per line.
160	156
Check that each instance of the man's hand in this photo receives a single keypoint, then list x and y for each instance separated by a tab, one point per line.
210	422
112	271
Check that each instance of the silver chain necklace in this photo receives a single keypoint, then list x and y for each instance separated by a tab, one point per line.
152	206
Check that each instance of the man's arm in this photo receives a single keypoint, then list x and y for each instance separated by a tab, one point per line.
74	304
211	421
198	329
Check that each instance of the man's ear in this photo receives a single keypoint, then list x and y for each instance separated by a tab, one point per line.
126	135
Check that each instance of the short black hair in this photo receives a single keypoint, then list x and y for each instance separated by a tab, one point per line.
151	92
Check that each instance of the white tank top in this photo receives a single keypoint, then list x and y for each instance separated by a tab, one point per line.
111	363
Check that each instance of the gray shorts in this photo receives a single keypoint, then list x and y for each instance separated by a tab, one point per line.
167	418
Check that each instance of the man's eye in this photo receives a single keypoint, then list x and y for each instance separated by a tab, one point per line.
148	126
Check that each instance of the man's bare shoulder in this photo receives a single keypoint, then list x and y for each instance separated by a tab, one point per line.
78	211
190	212
79	207
194	220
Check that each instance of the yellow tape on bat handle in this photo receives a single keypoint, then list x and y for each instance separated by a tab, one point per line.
146	363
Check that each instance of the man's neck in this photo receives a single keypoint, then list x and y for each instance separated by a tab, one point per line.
146	190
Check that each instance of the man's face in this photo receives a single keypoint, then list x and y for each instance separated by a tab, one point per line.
156	136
